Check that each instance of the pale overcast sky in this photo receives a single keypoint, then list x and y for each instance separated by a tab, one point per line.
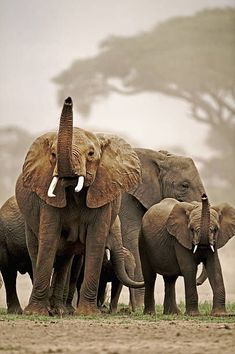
39	39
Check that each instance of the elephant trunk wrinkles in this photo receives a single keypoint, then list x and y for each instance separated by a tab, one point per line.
64	143
205	220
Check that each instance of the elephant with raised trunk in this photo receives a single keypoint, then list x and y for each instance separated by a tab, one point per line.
164	175
71	188
175	237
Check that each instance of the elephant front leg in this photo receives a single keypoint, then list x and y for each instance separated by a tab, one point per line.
215	277
49	233
191	295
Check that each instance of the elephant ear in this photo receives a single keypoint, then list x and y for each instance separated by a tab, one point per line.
227	223
148	192
38	170
177	223
119	170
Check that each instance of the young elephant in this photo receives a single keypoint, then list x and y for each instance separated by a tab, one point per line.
177	236
13	252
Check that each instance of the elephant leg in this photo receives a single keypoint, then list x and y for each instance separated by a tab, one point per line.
191	295
49	233
215	277
9	276
32	245
94	254
170	306
61	273
115	294
73	279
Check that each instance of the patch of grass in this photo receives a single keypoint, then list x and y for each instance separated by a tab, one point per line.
125	317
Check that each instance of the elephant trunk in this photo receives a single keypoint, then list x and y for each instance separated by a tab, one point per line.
205	220
64	143
117	259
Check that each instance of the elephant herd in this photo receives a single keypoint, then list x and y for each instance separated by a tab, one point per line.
89	209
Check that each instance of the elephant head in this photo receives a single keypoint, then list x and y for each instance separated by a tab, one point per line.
104	165
166	175
201	225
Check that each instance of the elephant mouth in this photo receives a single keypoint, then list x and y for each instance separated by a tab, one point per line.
200	246
78	182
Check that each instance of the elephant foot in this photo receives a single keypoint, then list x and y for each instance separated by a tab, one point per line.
219	312
173	311
87	310
192	313
70	310
36	309
149	312
58	310
15	310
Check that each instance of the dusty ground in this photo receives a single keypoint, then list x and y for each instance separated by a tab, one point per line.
116	336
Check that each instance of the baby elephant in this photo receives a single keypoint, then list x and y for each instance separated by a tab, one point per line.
177	236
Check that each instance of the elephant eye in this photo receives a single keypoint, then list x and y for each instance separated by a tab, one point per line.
53	157
91	153
185	185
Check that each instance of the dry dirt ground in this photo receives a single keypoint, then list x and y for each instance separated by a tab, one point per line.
116	336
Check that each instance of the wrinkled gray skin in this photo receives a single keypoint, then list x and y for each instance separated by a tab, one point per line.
108	274
163	175
169	232
13	252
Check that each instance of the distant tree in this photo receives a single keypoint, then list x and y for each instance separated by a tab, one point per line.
14	143
190	58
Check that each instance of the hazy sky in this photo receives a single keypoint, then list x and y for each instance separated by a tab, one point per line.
39	39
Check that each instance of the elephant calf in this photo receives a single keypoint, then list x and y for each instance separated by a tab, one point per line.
13	252
175	237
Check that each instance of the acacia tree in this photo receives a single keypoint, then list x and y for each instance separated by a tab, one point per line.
190	58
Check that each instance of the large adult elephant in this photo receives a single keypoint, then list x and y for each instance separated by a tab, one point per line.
71	187
175	237
163	175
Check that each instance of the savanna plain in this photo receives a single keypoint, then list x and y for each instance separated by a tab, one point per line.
120	333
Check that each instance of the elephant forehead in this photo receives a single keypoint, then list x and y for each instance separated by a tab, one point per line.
214	217
85	139
195	216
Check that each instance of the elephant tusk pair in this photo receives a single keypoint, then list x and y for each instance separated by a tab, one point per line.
196	246
54	181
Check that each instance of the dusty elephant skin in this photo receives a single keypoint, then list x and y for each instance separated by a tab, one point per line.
70	187
116	336
164	175
175	237
13	252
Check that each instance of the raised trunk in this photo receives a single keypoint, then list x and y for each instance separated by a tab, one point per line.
205	220
64	143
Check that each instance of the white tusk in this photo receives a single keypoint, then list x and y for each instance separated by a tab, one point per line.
79	184
107	251
51	189
195	248
212	247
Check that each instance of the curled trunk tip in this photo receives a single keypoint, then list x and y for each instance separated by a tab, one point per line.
68	101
